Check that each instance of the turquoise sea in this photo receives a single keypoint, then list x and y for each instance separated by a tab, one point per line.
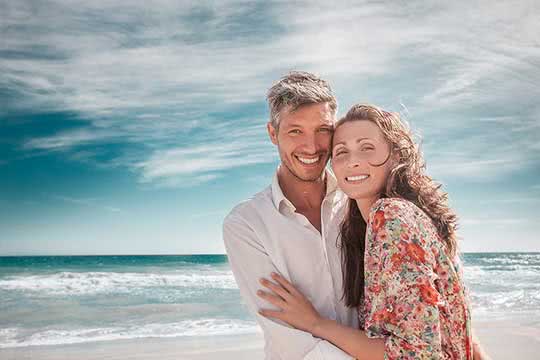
48	300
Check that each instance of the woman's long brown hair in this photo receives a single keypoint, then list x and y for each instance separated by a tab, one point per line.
407	181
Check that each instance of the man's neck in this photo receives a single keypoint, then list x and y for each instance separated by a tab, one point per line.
304	195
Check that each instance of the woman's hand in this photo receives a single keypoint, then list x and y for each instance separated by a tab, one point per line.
294	308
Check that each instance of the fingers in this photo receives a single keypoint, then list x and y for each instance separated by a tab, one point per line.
277	289
286	284
271	313
272	299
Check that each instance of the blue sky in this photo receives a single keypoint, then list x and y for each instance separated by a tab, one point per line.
131	128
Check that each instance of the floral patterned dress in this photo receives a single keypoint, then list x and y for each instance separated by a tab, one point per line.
414	296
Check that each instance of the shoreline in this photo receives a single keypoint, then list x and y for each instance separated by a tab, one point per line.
502	339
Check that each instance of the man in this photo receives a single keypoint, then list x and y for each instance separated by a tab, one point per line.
292	226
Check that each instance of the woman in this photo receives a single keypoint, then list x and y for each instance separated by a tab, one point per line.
399	261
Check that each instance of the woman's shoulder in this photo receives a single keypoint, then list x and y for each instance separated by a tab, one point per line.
396	228
399	208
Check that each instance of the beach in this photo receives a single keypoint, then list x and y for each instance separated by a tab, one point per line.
189	307
502	339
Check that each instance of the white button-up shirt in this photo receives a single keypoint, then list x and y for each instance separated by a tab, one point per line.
265	234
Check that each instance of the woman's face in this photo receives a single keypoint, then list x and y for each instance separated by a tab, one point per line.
361	159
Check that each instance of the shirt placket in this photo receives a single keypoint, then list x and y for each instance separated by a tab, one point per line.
324	239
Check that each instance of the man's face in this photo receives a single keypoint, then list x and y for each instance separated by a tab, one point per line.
304	139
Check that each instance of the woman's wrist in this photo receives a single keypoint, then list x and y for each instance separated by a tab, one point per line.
319	325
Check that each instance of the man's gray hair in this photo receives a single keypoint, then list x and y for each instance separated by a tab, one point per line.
296	89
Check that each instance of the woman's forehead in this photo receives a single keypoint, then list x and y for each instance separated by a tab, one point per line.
357	130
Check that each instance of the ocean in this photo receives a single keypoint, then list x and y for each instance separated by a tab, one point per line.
51	300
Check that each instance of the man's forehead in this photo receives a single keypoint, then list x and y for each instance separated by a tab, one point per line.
318	117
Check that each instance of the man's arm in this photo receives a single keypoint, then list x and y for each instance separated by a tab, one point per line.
250	262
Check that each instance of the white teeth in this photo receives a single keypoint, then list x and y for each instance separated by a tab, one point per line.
356	178
308	161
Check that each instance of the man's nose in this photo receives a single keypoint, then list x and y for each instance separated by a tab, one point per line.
310	144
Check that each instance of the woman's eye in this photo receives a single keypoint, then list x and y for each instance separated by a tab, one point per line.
324	130
339	152
367	148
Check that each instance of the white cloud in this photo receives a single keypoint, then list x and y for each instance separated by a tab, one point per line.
89	202
150	73
204	160
71	138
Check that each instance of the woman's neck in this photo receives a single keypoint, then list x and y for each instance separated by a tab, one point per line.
365	204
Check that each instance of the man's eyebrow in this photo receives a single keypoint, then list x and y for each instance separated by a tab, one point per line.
295	125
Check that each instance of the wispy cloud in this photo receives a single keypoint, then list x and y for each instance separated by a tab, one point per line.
204	161
89	202
154	76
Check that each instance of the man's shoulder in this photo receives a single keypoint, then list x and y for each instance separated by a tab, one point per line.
250	207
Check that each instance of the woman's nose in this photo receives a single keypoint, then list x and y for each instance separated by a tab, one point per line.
354	161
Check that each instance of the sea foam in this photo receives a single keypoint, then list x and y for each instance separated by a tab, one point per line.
84	283
16	337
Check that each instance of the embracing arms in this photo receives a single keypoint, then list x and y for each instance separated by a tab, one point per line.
249	262
297	311
405	312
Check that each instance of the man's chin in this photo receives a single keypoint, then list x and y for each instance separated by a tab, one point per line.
309	176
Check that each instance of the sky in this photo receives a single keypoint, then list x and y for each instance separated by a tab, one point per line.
134	127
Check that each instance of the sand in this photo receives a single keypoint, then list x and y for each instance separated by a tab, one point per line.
504	339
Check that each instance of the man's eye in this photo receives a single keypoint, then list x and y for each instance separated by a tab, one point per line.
295	131
325	130
340	152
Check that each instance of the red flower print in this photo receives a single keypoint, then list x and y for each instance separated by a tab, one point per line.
391	317
401	302
416	252
378	220
418	310
429	294
375	289
382	236
407	346
396	261
380	315
456	288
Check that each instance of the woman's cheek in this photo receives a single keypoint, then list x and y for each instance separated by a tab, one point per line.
337	165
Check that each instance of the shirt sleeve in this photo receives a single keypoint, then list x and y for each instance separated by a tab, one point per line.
250	262
402	299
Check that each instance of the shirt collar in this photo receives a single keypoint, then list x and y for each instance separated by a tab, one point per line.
277	194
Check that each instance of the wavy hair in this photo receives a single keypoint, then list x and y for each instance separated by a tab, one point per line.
406	180
296	89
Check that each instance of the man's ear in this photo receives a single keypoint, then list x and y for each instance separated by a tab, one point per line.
272	132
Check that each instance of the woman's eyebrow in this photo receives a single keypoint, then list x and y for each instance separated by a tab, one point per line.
357	141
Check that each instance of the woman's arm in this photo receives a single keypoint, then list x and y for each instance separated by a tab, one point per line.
402	301
478	351
352	341
297	311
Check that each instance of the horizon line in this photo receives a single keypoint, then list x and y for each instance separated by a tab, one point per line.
224	254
